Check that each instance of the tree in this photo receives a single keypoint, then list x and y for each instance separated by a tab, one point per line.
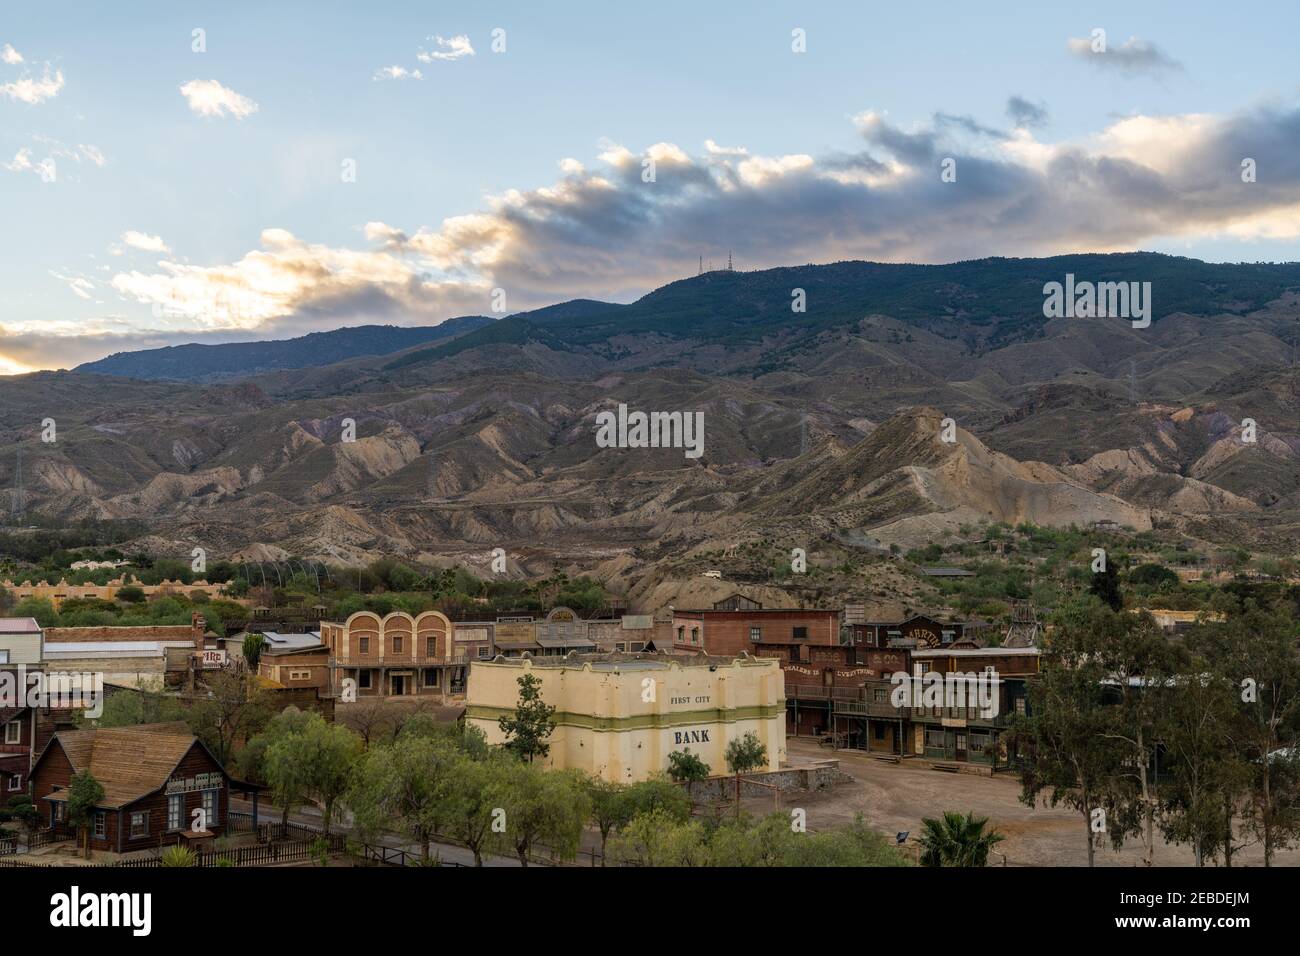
1068	758
131	594
543	806
1254	650
658	839
1105	585
252	649
231	707
531	723
314	761
744	754
287	789
22	811
84	794
374	719
611	809
1146	673
686	767
957	840
405	786
473	801
1201	764
130	708
657	792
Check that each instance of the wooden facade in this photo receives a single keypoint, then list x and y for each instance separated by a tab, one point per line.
154	776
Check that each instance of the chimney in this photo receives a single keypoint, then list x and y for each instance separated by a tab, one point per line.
197	626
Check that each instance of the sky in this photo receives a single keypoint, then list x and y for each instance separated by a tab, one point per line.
206	172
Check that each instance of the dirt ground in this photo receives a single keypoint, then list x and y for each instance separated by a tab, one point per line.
894	797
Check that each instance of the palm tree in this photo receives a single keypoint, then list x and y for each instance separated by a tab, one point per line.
957	840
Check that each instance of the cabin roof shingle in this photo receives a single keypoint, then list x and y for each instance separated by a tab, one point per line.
128	762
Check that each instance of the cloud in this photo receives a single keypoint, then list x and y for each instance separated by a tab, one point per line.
9	55
23	163
453	49
397	73
1132	57
30	90
81	286
602	231
144	241
1026	115
210	98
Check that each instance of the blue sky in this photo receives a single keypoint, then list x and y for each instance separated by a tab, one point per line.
244	227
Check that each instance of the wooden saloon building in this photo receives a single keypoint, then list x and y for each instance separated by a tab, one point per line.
154	777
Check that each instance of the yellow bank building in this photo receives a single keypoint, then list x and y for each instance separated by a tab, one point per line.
619	716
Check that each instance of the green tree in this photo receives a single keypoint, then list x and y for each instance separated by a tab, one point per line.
230	707
84	794
131	594
130	708
611	809
543	806
405	786
252	649
22	811
473	803
531	723
286	790
686	767
315	762
743	755
658	792
1069	760
956	840
1105	586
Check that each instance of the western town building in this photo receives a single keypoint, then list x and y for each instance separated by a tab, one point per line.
154	777
394	655
618	717
739	624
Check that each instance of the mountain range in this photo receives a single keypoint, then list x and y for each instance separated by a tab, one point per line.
824	428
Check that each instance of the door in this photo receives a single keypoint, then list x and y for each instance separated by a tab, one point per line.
961	746
399	685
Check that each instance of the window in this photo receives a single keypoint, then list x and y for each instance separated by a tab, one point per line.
175	808
681	635
60	811
1020	705
363	679
636	646
755	633
101	824
365	645
4	656
210	807
695	635
14	732
139	824
299	675
936	739
397	644
430	647
620	647
484	651
15	781
800	634
880	695
431	677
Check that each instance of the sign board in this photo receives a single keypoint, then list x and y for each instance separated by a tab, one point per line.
201	781
214	658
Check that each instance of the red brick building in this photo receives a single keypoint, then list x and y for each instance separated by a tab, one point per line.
740	624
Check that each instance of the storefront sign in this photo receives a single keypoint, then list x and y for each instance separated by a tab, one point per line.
202	781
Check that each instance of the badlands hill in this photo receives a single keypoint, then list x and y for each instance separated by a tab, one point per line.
821	424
